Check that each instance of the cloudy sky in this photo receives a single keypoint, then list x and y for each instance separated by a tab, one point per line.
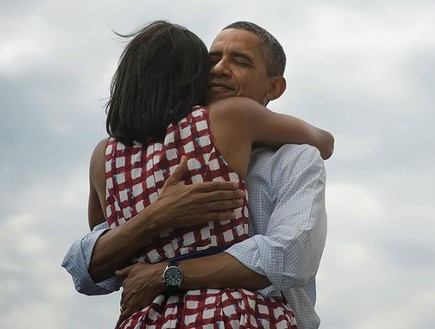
362	69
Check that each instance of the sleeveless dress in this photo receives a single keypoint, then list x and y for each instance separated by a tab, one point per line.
135	176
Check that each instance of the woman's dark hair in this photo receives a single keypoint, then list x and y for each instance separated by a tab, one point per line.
162	73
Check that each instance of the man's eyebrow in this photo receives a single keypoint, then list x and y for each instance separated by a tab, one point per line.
214	53
234	54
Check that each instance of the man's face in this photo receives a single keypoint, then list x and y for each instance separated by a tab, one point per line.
238	67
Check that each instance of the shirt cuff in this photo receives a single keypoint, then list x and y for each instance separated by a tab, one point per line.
77	262
249	254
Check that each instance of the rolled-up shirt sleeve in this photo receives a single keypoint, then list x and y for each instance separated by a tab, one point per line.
78	259
288	245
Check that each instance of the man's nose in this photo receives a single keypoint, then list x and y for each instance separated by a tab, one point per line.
221	68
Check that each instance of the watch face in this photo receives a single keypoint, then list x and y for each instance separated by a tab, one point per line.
173	276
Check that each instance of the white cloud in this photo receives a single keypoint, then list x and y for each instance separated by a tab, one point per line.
362	69
14	52
375	272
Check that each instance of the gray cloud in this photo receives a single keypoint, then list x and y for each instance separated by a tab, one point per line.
362	69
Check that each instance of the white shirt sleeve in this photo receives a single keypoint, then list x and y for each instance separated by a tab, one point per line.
287	203
78	259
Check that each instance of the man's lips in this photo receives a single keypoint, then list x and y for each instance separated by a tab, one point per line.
219	87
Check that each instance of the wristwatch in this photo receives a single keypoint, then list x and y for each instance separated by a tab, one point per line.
172	276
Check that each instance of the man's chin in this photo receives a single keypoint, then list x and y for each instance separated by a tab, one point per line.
214	97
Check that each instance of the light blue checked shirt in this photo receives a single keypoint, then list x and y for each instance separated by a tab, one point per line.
286	190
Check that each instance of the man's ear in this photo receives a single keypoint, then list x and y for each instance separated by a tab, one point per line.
277	87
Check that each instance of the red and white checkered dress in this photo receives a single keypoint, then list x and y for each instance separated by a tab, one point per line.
134	178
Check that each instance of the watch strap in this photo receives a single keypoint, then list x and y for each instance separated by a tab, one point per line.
173	262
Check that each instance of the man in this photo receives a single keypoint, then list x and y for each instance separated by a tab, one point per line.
286	194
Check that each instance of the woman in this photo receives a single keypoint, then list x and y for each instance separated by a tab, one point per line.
154	120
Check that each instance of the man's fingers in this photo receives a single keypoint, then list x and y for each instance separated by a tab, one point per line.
125	309
223	205
215	186
215	197
124	315
127	312
178	173
217	216
222	210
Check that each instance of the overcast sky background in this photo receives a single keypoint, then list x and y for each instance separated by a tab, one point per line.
364	70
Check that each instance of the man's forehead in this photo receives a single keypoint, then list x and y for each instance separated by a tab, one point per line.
235	40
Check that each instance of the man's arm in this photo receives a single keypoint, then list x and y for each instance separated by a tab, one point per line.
178	205
100	253
143	282
289	236
77	260
287	247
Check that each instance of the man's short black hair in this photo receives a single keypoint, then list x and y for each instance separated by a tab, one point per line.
273	52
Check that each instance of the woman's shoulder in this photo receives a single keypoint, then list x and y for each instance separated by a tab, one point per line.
236	108
233	102
97	167
100	149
